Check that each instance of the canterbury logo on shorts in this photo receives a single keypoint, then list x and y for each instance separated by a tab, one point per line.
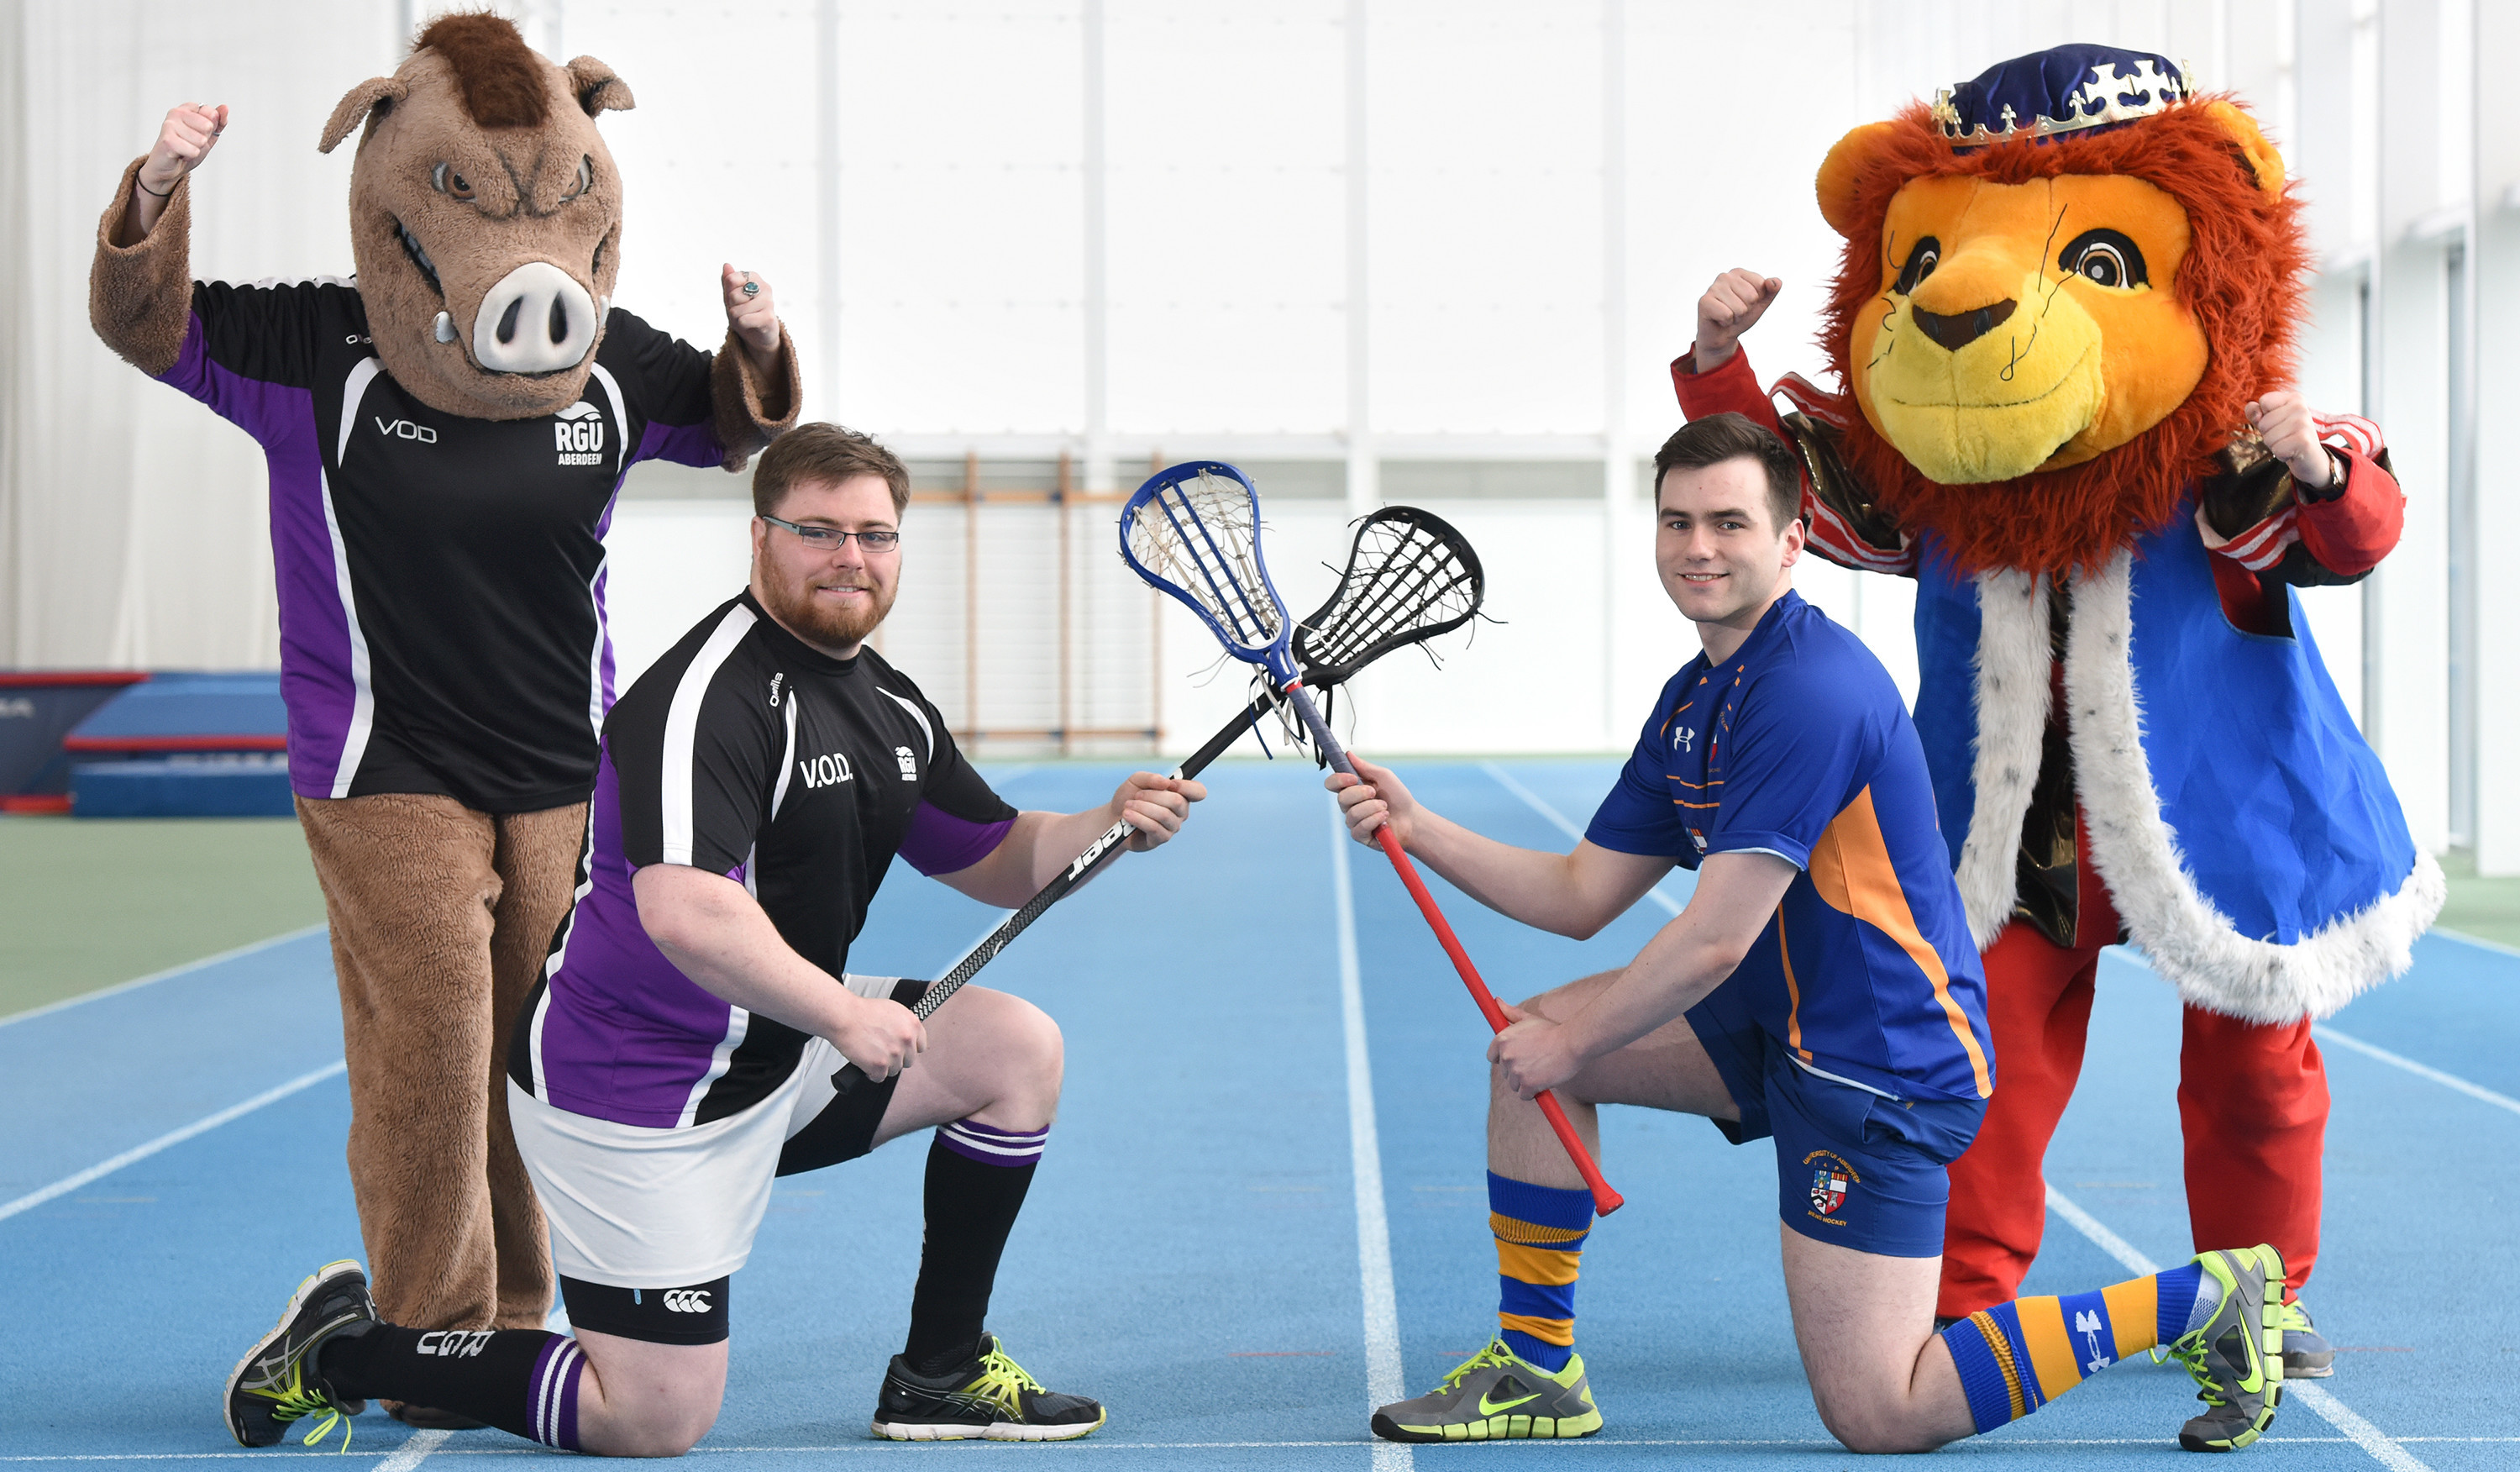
688	1300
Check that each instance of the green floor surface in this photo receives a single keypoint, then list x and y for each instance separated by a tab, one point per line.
85	905
2487	908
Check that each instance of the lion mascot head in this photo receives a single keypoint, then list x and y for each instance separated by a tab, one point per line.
2061	285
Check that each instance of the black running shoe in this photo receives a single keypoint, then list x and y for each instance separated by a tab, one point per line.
275	1383
989	1397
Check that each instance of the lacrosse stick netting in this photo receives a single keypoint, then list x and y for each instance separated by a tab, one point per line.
1193	532
1410	576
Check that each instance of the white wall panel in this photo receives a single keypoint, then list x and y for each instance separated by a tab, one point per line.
1227	238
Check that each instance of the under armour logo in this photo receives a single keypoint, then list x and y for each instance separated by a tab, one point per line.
1683	737
2088	1324
688	1300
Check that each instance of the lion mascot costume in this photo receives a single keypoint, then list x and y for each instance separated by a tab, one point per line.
446	434
2063	325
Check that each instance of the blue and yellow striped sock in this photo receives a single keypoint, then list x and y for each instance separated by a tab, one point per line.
2017	1357
1540	1233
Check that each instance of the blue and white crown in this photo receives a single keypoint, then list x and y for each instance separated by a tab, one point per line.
2065	89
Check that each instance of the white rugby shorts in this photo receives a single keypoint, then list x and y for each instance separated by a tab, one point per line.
631	1205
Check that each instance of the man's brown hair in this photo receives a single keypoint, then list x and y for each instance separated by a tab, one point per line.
1719	437
827	453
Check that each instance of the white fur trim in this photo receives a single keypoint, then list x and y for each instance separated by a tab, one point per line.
2014	676
2189	941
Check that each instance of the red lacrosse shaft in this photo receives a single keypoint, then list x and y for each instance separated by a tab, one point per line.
1604	1200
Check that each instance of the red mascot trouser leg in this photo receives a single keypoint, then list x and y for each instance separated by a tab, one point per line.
2037	1009
2253	1106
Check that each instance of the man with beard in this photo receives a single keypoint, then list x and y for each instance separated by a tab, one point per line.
681	1047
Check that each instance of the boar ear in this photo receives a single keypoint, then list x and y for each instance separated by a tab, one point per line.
599	87
377	94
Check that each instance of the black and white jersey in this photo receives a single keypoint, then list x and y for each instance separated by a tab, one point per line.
748	753
441	578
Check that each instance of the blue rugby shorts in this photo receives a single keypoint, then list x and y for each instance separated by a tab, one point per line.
1853	1166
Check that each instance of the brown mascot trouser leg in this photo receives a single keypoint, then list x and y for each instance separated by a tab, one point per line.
440	916
2253	1107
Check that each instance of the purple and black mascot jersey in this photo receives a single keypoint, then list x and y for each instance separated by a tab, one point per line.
748	753
441	578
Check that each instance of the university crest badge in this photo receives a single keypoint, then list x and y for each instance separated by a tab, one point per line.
1830	1180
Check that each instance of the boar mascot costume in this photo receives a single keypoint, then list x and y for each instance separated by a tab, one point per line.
2063	332
446	433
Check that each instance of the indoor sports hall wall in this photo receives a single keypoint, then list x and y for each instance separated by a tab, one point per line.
1427	250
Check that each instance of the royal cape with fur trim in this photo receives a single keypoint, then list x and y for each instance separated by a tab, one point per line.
2247	833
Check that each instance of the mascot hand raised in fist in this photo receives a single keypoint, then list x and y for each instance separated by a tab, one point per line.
2063	330
446	434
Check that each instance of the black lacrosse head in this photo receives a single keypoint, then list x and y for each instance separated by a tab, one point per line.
1410	576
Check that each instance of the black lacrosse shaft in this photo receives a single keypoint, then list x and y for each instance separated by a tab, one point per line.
1096	855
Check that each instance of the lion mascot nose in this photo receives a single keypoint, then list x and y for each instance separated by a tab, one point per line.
537	319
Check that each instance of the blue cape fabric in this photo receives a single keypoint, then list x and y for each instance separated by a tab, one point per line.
2279	809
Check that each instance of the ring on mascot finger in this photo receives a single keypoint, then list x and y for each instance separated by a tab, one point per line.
751	288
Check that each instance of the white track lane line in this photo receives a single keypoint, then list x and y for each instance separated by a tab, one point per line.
1382	1377
171	972
2384	1449
2479	941
2326	1034
101	1169
1538	805
414	1451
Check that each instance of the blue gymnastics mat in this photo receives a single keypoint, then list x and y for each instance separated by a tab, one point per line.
1261	1207
184	746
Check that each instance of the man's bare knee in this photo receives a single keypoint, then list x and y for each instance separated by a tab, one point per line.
655	1426
1874	1430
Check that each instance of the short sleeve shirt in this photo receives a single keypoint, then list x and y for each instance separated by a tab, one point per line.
746	752
1799	745
440	577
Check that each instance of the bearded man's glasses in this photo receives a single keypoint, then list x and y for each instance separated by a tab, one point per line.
832	538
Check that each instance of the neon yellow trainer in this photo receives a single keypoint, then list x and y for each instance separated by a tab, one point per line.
1496	1395
2236	1354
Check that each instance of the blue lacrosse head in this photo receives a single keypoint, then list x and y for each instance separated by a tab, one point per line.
1194	531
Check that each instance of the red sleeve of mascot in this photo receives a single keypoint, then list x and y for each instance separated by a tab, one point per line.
1731	387
2346	533
2349	533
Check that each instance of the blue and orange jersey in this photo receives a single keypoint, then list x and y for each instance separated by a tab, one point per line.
1799	745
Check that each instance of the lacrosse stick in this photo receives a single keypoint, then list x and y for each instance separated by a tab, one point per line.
1410	576
1194	531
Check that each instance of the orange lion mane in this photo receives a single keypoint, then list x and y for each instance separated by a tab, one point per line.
2243	281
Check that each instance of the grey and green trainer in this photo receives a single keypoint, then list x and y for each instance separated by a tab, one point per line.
2307	1354
2236	1353
276	1383
1496	1395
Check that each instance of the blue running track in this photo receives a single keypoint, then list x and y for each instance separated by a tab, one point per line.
1232	1243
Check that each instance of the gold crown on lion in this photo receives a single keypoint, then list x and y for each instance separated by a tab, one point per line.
2100	102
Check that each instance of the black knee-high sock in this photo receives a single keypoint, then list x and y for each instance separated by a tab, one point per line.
976	1180
520	1380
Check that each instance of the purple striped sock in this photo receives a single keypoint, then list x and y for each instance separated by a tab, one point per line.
991	1146
555	1394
